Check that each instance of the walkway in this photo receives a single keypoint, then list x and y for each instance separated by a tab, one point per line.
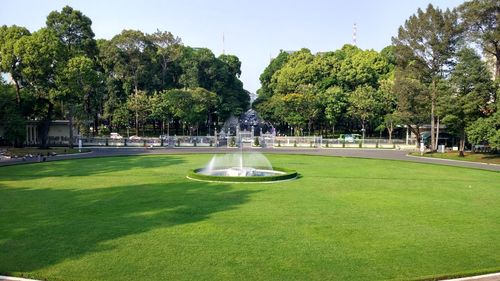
343	152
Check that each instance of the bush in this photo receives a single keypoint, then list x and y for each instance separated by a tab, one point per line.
279	143
178	142
326	144
294	143
343	143
376	144
232	142
360	144
103	130
256	142
211	142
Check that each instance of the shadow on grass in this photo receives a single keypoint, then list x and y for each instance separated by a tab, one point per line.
42	227
86	167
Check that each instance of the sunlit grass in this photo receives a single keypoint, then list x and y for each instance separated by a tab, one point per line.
139	218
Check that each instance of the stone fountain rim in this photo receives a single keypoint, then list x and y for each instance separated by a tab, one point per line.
287	174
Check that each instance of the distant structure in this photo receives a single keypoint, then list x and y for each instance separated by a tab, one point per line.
354	31
223	51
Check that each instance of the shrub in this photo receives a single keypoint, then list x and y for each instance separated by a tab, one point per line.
326	144
343	143
279	143
376	144
232	142
178	142
211	142
256	142
360	144
294	143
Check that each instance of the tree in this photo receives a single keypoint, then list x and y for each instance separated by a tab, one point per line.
412	100
140	104
485	131
9	62
290	109
128	56
335	101
267	88
41	55
10	115
427	43
76	83
363	105
472	90
480	19
74	30
168	50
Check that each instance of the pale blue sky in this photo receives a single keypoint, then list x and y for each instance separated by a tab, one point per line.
253	30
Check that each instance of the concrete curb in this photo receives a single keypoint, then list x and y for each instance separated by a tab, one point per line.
8	278
485	277
452	160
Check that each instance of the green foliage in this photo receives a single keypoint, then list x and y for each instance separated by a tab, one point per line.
256	141
480	21
232	142
485	131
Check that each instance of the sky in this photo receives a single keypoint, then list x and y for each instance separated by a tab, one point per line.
253	30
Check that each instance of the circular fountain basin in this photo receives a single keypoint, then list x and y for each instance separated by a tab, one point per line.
242	174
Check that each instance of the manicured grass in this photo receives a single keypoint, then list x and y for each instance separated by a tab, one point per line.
139	218
491	158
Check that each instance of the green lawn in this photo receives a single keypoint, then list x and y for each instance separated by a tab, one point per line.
139	218
490	158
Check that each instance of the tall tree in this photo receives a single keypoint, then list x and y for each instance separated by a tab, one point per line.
335	101
41	56
9	61
472	90
77	82
480	19
427	42
74	30
364	105
168	50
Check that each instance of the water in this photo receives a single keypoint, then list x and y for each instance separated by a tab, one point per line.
239	165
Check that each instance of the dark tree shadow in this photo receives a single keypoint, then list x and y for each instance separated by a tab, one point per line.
41	227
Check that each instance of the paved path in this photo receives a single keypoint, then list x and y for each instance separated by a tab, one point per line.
389	154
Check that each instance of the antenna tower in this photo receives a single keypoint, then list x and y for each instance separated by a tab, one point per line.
354	31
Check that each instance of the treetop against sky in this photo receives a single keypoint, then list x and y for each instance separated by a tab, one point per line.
254	31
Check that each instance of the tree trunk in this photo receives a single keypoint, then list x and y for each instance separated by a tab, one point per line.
437	134
136	112
433	108
44	126
461	146
18	93
497	64
70	127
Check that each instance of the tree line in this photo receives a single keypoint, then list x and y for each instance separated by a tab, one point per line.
443	67
135	80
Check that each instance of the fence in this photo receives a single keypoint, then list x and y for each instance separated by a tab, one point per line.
265	140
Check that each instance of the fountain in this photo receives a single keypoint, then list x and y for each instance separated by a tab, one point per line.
241	167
